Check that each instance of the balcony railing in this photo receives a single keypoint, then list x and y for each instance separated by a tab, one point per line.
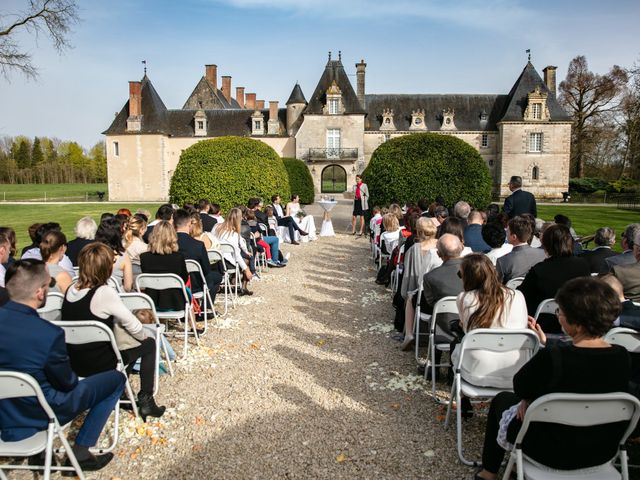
332	154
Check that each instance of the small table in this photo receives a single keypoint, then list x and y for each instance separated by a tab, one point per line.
327	225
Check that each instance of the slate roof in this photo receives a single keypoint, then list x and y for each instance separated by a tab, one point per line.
467	108
334	70
296	95
518	97
210	97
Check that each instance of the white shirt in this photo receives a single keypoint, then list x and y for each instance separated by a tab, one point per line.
501	251
278	209
3	271
36	254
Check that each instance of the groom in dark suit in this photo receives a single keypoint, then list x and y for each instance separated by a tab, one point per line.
519	201
283	221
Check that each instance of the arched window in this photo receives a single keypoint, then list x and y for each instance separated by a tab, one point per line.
535	173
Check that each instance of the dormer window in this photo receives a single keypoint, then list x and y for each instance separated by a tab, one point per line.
537	109
334	106
417	120
334	100
200	124
387	120
448	122
257	123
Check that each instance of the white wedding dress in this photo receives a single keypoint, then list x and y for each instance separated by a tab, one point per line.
306	223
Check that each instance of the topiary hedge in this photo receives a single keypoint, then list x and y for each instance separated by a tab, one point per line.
426	165
300	180
228	171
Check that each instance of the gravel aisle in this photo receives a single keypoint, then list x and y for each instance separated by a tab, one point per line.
302	381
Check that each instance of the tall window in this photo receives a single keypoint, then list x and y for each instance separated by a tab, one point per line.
535	173
200	124
334	105
535	142
536	111
116	149
484	143
333	143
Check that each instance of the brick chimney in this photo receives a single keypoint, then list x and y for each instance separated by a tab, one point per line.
259	104
240	96
360	68
211	74
226	87
550	78
250	101
134	122
273	125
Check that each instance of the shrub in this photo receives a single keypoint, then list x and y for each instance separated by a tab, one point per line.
300	180
228	171
587	185
414	166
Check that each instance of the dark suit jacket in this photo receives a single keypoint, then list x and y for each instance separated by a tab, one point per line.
36	347
4	296
520	202
74	247
595	258
473	239
171	263
208	222
145	237
518	262
441	282
629	276
194	249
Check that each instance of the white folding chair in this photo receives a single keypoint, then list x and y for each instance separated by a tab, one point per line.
382	256
374	242
216	258
91	331
228	248
514	283
625	337
52	310
546	306
576	410
498	341
442	342
395	275
139	301
113	283
261	257
15	385
170	281
204	296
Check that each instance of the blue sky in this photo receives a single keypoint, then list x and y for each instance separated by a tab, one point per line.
429	46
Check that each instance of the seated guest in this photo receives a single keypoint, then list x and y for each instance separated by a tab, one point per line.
462	210
208	222
534	240
229	232
196	231
587	309
396	210
473	233
85	234
522	257
286	221
494	235
36	347
420	258
133	243
391	235
33	228
629	312
306	222
163	257
270	239
627	240
454	226
216	213
376	219
164	213
605	237
486	303
5	250
35	253
53	247
193	249
125	212
440	214
545	278
110	233
629	274
11	236
92	299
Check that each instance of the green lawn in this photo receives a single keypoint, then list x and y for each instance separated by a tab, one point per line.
21	216
60	191
587	219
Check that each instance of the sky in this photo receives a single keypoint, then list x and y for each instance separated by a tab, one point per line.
410	46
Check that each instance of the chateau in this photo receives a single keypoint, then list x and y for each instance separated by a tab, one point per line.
524	132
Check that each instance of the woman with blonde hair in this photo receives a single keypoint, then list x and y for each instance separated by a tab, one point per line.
92	299
229	232
391	235
196	231
53	247
133	243
396	210
421	258
163	257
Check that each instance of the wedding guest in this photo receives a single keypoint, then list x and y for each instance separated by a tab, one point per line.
110	233
85	230
53	248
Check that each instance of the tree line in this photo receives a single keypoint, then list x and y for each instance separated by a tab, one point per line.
50	160
605	108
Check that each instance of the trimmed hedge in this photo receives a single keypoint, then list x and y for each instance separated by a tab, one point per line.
426	165
228	171
300	180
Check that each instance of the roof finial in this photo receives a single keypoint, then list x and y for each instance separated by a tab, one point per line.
144	62
339	55
528	50
329	55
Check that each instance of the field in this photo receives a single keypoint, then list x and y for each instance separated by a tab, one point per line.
21	216
58	191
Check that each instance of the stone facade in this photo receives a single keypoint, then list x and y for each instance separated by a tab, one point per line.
524	132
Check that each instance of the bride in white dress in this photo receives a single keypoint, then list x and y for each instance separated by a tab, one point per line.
306	223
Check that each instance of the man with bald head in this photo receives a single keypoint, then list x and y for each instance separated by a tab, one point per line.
440	282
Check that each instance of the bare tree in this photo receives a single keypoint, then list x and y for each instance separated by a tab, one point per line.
53	18
589	97
630	114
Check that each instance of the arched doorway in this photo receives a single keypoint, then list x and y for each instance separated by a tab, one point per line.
334	179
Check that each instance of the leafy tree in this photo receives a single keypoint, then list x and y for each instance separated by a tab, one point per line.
37	157
300	180
590	98
22	154
53	18
99	162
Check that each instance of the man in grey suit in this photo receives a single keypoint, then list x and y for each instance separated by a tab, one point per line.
440	282
627	239
629	273
519	261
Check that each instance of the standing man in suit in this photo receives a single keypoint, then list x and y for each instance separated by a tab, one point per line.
627	240
36	347
519	201
604	238
360	204
523	256
283	221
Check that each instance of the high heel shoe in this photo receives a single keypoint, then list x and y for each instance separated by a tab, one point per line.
148	408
